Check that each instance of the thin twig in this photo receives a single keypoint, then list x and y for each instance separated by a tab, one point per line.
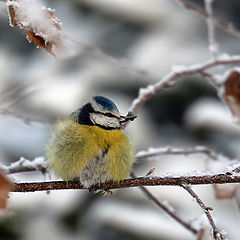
228	177
24	119
119	62
216	234
227	27
213	47
153	152
166	209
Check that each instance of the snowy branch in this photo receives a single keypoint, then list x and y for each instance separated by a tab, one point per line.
228	177
154	152
178	71
216	234
25	165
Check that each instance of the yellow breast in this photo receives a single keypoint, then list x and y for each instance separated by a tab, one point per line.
73	145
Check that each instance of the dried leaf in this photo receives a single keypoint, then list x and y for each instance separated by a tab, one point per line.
232	92
43	28
12	16
5	186
225	191
39	41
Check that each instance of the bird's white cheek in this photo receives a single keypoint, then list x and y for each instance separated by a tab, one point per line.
106	121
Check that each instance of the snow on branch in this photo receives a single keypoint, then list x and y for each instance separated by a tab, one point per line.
154	152
25	165
204	178
227	174
179	71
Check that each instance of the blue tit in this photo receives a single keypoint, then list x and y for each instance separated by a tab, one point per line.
91	145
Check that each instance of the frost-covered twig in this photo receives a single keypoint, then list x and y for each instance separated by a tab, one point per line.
227	27
25	165
213	48
26	120
166	209
153	152
216	233
178	71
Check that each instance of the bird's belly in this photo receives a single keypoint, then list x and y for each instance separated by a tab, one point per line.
95	171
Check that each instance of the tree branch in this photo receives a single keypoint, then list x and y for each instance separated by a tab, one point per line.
154	152
122	63
216	234
228	177
178	71
25	165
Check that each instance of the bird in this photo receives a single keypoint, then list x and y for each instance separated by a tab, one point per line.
90	146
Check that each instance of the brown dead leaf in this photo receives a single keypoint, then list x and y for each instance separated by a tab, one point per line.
36	32
225	191
12	16
39	41
232	92
5	186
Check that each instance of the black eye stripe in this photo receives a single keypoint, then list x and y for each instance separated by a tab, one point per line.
107	114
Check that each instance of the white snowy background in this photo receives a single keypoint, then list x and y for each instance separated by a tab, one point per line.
144	35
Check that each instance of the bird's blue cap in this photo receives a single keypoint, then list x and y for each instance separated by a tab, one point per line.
105	103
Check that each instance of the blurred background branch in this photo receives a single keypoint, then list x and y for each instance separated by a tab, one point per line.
227	27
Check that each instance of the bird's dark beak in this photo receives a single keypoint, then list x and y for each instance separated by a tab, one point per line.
128	117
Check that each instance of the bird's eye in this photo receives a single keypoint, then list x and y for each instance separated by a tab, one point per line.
109	115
